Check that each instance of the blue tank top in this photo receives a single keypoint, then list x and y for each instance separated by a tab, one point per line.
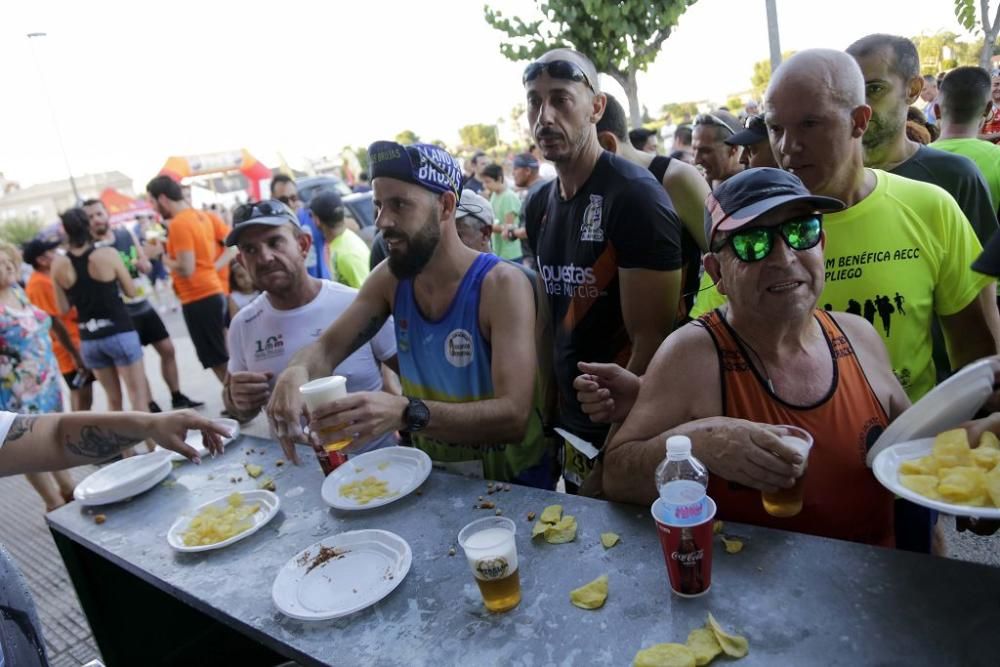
447	359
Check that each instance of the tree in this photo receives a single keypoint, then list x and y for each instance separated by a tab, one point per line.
621	38
761	76
735	104
362	154
677	110
943	51
19	230
965	12
479	135
407	137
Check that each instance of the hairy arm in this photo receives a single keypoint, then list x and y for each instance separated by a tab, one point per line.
141	260
223	260
972	332
649	302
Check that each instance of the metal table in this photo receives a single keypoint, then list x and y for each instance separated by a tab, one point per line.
798	599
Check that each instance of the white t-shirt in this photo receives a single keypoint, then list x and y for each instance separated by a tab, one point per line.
263	338
6	421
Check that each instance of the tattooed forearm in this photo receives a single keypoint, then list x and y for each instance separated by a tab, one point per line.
21	425
98	443
368	332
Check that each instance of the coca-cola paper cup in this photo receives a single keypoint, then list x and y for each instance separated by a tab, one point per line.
687	551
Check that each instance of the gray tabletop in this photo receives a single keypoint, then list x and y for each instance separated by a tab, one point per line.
798	599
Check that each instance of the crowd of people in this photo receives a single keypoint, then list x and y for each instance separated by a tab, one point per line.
557	315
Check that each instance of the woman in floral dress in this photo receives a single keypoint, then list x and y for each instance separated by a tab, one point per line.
29	375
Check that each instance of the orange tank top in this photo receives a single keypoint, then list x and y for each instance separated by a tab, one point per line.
842	498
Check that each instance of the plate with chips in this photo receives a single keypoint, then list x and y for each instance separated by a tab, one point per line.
220	522
377	478
945	474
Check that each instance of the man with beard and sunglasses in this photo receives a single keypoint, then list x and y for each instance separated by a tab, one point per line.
770	356
607	242
455	311
292	311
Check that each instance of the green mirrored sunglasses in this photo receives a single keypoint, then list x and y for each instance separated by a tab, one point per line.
753	244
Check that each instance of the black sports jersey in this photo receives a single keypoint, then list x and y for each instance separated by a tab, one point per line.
620	219
689	247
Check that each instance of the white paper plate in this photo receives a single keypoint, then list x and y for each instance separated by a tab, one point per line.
886	470
404	468
125	481
953	402
269	506
194	439
372	563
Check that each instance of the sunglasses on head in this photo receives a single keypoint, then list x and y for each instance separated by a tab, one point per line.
261	209
752	244
557	69
712	119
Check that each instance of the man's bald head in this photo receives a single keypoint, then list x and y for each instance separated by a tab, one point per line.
827	74
574	56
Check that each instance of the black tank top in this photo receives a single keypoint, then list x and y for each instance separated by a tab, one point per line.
100	307
690	252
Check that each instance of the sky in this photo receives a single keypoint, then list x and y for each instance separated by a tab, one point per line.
132	83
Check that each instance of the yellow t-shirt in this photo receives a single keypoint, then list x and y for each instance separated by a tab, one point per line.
897	258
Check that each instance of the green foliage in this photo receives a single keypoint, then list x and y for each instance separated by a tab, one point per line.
943	51
965	12
19	230
735	104
621	38
362	154
676	110
478	135
761	76
407	137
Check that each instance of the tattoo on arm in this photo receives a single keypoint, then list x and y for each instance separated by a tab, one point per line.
367	333
99	443
20	426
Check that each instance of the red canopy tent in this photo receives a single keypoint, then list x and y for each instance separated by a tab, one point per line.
122	208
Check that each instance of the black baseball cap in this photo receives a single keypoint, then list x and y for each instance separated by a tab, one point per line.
754	131
327	206
989	261
750	194
37	247
270	212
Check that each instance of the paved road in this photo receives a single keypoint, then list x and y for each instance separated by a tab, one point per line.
23	530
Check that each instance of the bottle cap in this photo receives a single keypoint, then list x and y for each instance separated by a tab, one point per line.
678	447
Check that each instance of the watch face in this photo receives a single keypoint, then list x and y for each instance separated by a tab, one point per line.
417	415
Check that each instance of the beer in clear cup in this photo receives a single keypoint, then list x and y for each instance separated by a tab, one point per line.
786	503
491	551
316	394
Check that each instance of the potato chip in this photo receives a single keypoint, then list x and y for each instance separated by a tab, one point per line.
562	532
732	645
592	595
989	440
665	655
986	458
733	545
993	485
925	485
551	514
951	449
610	539
717	527
962	484
704	645
925	465
539	528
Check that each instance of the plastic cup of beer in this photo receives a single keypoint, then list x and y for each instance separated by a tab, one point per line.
318	393
786	503
687	550
491	550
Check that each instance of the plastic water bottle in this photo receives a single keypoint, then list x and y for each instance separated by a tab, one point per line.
682	480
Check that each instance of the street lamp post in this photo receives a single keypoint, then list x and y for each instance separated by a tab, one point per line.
55	124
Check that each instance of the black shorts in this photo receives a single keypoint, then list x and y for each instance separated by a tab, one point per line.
206	324
72	374
149	326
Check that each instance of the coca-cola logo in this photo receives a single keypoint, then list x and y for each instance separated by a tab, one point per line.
688	558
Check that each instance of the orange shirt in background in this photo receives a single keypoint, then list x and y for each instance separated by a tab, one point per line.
41	293
194	231
220	230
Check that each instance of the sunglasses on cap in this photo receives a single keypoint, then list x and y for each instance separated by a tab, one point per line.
712	119
752	244
262	209
557	69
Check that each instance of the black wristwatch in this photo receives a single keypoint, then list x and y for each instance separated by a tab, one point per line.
416	415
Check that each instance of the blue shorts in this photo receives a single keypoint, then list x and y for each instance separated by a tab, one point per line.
120	349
